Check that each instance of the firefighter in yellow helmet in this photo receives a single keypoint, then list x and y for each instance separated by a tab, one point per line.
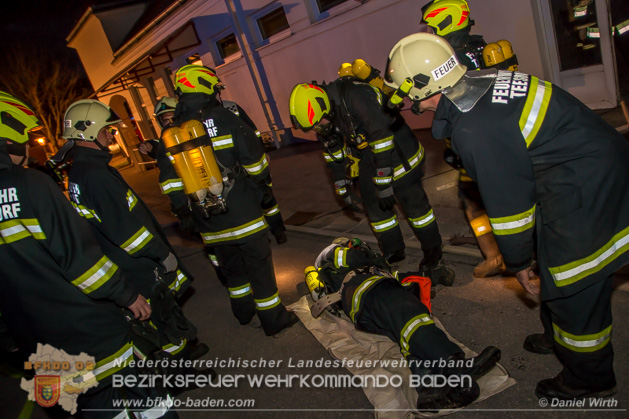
236	231
350	117
62	290
555	181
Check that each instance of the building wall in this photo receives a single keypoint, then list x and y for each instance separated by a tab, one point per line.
310	50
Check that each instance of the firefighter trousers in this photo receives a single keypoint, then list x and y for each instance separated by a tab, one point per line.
411	196
250	277
582	328
391	310
384	224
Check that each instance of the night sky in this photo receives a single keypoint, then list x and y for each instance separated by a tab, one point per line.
44	23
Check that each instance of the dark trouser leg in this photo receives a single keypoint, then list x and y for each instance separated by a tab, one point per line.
582	336
231	260
412	197
259	266
384	224
392	311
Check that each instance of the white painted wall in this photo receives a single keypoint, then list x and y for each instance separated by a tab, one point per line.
308	51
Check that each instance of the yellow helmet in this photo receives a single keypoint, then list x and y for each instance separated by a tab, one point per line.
345	70
446	16
308	103
428	61
16	119
195	78
85	118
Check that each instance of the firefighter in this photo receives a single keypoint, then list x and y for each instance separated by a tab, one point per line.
350	119
450	19
62	290
548	167
396	305
124	225
171	185
232	222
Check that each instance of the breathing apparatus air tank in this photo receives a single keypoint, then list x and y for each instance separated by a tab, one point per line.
190	149
315	286
367	73
500	55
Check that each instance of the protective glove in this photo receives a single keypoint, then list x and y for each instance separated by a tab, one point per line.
186	220
386	199
170	263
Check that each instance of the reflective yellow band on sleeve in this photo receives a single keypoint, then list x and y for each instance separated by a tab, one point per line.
222	142
258	167
171	185
131	199
96	276
513	224
340	257
137	241
17	229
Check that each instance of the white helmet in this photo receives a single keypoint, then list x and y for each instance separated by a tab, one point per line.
85	118
428	61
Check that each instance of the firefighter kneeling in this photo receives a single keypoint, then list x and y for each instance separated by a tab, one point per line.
349	276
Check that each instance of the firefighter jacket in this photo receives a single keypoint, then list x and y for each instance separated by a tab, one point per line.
58	287
169	181
361	120
243	164
545	163
335	262
123	224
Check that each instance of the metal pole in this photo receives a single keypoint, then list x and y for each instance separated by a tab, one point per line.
254	65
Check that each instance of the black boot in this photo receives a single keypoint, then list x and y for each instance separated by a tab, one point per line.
538	344
480	365
557	388
397	256
435	399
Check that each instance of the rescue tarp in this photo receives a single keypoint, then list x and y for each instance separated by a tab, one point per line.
342	341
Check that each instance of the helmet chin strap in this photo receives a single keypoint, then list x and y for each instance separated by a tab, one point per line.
102	147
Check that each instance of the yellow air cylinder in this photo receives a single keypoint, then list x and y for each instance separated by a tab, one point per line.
315	286
507	52
196	166
492	54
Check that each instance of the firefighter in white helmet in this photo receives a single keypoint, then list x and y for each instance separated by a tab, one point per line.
551	173
125	226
